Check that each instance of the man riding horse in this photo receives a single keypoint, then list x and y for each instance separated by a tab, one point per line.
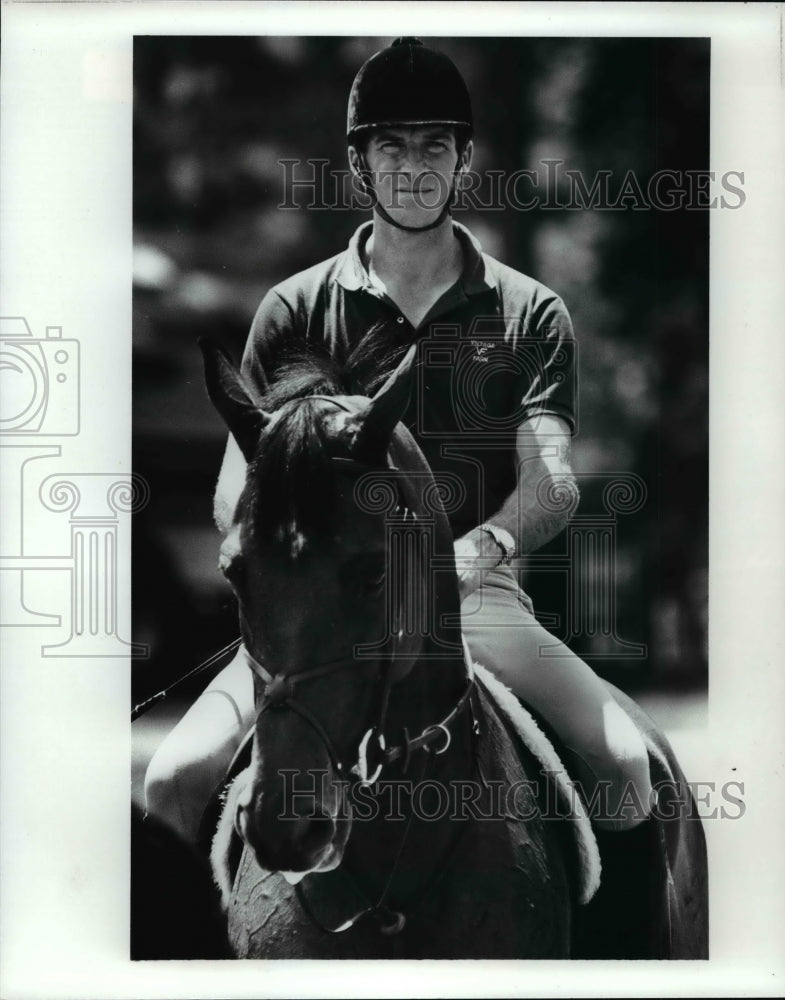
493	411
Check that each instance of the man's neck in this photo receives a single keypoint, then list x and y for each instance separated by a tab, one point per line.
420	260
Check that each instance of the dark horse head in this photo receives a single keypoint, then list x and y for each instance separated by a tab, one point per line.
328	557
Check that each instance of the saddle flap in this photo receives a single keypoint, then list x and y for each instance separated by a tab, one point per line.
570	804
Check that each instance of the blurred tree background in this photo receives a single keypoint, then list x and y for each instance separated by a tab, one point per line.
214	118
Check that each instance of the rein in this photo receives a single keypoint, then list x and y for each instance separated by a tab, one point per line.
391	921
147	704
279	692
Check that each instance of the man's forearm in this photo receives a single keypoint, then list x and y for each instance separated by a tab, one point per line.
538	510
534	514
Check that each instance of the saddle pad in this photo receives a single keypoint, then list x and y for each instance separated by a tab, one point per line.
538	744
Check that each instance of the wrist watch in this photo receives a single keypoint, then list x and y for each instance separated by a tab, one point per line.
504	540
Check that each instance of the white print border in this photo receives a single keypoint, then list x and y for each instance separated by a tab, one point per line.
65	220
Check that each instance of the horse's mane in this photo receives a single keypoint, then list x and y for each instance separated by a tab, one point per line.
292	484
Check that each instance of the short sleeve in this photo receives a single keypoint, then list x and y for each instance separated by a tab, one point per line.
547	361
272	328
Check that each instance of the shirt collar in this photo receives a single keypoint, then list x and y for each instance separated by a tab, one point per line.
476	277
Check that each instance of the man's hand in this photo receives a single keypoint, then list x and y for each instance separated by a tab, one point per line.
475	554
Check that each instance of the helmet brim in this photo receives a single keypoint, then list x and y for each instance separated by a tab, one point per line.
409	123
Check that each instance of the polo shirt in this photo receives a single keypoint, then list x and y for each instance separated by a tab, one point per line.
497	348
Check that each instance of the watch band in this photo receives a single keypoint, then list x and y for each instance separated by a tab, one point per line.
504	540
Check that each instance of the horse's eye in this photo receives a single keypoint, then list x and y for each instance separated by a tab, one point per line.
374	575
365	575
376	582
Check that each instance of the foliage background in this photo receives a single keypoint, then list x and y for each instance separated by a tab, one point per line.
213	118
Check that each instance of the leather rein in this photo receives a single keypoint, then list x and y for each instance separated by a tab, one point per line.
373	754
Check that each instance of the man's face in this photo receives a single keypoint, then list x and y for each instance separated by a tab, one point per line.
412	170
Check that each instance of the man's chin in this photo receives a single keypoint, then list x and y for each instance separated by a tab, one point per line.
415	219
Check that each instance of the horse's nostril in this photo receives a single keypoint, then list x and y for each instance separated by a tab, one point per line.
312	832
292	843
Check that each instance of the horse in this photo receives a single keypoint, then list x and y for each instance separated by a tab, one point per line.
366	814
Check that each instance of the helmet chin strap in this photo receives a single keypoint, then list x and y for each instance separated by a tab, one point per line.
412	229
384	214
364	173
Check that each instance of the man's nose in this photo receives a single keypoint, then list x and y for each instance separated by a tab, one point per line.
414	158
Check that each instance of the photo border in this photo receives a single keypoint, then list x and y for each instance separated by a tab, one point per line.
65	764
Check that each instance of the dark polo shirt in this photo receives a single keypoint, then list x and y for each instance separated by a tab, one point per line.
497	348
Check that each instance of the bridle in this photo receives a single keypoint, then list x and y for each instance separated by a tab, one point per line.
373	753
280	691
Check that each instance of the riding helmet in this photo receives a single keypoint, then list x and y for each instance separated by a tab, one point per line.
408	84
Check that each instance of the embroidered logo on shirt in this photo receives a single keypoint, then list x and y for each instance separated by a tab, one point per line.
482	349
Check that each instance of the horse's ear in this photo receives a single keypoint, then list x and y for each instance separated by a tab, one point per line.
386	409
230	396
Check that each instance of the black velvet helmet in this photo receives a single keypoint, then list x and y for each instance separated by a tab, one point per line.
408	84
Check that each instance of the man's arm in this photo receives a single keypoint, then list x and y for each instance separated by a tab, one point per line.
231	480
546	494
272	326
542	503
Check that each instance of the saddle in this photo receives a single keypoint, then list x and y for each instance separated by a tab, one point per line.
643	892
568	805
